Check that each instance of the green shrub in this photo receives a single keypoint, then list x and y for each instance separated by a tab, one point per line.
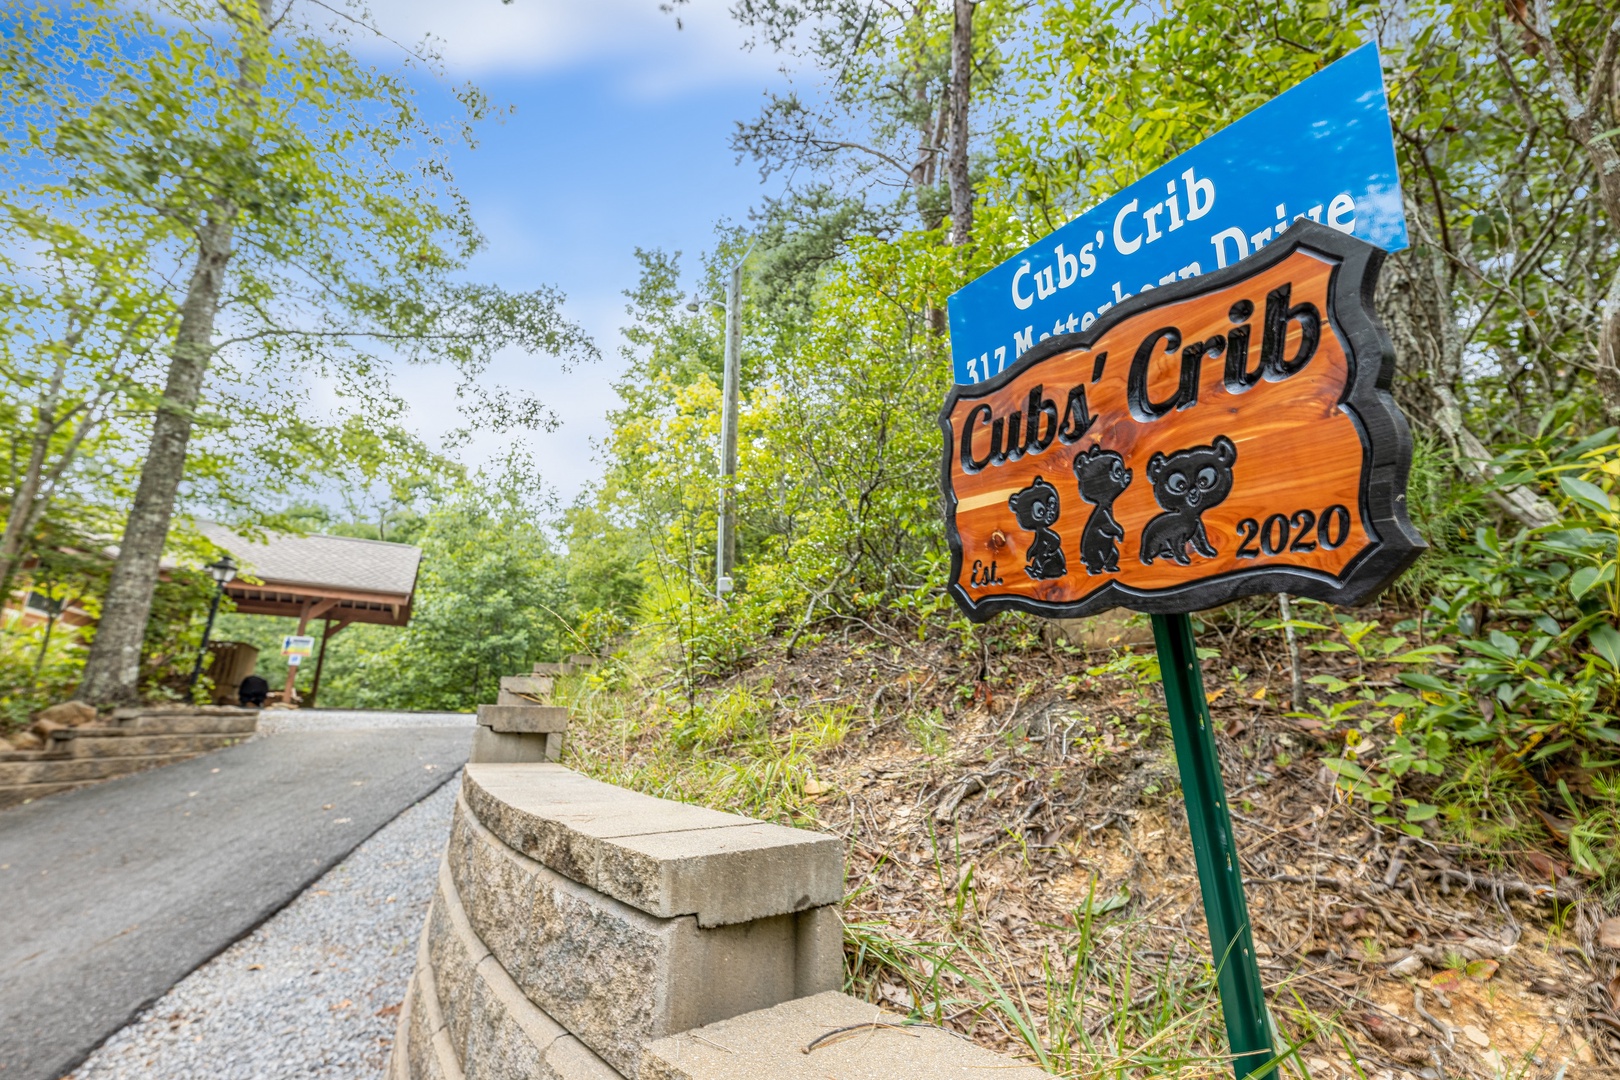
1526	687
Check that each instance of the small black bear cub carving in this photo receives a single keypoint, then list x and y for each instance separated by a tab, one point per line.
1036	508
1103	478
1186	483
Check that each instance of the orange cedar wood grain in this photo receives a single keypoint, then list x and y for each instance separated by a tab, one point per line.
1296	447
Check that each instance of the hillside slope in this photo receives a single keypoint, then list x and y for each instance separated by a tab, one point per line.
1019	867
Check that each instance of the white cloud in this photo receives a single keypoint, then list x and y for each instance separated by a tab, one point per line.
525	36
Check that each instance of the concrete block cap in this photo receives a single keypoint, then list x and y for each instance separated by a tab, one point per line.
661	857
524	719
526	684
829	1034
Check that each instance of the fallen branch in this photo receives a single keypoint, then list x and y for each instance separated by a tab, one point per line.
968	785
1559	893
1439	1025
837	1034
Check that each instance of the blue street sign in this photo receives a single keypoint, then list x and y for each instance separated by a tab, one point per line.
1322	150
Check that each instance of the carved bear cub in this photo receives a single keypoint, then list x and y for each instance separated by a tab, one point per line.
1036	508
1103	477
1186	484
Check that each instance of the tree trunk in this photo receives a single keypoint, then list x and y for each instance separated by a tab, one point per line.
956	168
33	496
1415	306
1608	357
1588	119
23	514
30	497
112	672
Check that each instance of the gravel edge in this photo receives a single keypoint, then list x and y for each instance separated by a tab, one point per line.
314	989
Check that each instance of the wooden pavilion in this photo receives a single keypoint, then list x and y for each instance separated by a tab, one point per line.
341	580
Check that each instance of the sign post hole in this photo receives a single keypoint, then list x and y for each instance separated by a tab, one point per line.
1225	436
1243	1003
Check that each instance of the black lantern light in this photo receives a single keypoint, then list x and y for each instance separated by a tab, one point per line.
222	570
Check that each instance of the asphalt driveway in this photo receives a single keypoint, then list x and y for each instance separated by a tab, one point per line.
111	894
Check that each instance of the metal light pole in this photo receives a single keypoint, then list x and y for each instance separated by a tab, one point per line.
725	555
222	572
53	611
726	542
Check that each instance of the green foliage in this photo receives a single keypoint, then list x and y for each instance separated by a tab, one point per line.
838	504
734	716
1107	90
1537	609
35	672
843	356
1594	839
1110	89
876	126
1446	512
1528	684
930	730
490	602
222	207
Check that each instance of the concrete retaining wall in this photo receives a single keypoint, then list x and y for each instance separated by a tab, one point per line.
129	740
584	932
577	920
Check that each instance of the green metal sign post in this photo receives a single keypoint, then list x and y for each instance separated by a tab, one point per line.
1237	972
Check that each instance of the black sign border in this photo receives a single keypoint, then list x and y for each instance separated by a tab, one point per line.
1386	442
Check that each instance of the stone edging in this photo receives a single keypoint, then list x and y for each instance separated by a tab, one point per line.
131	740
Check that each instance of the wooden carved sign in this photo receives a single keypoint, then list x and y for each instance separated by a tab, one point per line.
1217	437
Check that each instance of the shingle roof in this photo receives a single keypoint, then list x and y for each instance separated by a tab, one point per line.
337	562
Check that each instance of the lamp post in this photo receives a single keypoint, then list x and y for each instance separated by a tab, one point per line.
222	571
53	610
726	542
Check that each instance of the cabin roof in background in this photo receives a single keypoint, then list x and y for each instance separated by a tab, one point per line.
335	562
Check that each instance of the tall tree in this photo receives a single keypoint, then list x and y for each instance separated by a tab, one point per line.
900	81
960	178
308	198
83	321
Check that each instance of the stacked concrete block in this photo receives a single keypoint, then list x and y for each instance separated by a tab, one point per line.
466	1018
522	726
661	857
127	741
525	690
579	929
576	922
574	665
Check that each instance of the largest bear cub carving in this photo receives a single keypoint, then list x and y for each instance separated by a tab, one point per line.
1186	483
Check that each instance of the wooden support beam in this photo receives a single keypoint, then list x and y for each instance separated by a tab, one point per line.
321	607
313	607
320	660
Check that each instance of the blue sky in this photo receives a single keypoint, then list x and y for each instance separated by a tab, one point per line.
618	140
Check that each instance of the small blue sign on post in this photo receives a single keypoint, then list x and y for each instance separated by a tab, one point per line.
1323	150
